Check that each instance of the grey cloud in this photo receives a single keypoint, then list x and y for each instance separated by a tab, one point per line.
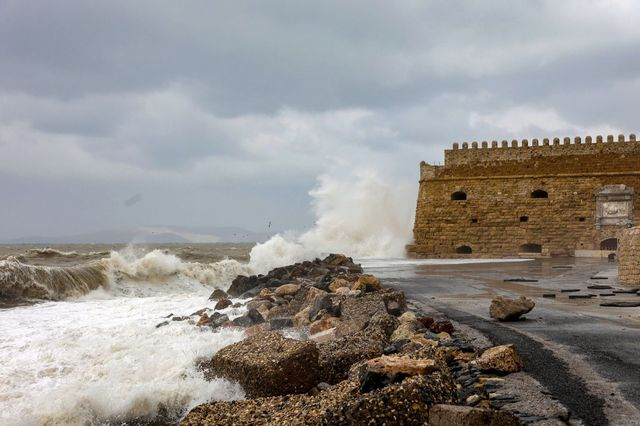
220	112
259	57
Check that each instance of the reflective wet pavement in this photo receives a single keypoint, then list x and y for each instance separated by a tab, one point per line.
590	345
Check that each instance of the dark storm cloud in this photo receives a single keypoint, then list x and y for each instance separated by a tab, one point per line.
260	97
257	56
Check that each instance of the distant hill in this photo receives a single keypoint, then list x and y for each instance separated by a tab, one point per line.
153	234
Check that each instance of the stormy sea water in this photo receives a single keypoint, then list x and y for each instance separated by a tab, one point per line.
78	335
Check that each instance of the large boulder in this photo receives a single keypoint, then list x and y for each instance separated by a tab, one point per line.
287	289
457	415
338	260
395	302
404	403
312	294
223	304
214	321
338	355
501	359
323	325
250	318
301	319
367	283
257	303
268	364
339	283
379	372
356	312
280	323
279	311
218	294
505	309
409	326
325	305
242	284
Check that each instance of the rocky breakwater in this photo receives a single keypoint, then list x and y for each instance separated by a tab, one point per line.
354	355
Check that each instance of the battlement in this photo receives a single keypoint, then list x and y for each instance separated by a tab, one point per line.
557	197
517	151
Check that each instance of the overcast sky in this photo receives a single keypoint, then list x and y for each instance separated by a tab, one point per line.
209	113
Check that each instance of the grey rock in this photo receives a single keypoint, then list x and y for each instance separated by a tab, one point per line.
222	304
252	317
327	304
268	364
218	294
280	323
505	309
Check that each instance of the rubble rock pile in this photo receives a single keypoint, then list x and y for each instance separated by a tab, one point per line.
359	356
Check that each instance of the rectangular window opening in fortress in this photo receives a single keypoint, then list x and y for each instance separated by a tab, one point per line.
569	198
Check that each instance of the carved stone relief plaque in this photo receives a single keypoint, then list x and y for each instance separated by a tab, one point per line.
614	206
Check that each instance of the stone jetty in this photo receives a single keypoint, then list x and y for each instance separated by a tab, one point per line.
328	344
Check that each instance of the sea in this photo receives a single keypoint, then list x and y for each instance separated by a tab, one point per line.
80	341
79	337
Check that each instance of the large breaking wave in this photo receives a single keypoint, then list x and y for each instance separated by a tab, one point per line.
363	215
125	272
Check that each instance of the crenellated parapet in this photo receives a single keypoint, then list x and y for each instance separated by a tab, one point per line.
532	197
429	171
466	154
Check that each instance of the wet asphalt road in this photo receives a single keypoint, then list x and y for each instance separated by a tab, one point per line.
586	355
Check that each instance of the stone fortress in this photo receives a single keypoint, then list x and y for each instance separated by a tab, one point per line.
529	198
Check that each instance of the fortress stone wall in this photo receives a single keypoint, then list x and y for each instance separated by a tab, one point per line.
533	198
629	259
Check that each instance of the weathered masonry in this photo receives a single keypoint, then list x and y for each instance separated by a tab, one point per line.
629	262
538	198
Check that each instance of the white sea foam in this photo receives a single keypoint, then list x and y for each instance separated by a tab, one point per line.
50	252
126	272
159	272
363	215
91	361
98	357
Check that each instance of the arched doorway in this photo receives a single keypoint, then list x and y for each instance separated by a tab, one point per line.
464	250
459	196
610	244
531	248
539	193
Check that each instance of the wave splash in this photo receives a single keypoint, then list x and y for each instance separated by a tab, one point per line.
125	272
21	281
363	215
104	362
157	271
50	252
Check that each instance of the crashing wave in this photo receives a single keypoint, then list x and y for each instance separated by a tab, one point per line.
50	252
372	219
122	273
21	281
157	270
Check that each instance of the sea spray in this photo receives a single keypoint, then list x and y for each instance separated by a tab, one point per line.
93	361
159	272
128	272
20	281
363	215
